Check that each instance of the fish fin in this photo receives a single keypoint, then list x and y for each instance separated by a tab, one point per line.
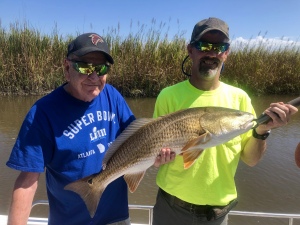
196	142
89	192
133	180
192	150
128	132
189	158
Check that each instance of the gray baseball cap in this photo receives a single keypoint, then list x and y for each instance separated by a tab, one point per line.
89	42
209	24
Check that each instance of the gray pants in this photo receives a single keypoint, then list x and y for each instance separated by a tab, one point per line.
165	213
123	222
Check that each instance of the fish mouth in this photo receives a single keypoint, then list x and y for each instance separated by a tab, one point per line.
248	125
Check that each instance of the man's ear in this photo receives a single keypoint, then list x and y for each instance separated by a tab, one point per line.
189	49
67	69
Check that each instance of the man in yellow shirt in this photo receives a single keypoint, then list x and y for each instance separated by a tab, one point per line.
204	193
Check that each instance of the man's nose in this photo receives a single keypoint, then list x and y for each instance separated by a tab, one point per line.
93	76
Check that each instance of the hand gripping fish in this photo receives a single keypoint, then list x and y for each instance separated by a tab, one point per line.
187	132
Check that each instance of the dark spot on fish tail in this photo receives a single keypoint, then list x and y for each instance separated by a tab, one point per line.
90	181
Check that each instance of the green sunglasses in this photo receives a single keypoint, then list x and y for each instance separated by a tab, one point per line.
206	47
89	68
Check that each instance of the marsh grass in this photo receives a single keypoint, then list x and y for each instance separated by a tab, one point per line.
145	62
265	69
29	61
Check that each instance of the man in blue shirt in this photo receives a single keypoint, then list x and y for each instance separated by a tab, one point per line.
68	132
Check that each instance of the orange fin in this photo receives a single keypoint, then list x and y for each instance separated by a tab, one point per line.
196	142
133	180
192	150
190	157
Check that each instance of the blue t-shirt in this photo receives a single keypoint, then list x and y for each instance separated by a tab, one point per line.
69	138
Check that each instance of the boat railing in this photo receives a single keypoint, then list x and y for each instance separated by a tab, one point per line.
290	217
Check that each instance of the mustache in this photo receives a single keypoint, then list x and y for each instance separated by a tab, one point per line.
207	58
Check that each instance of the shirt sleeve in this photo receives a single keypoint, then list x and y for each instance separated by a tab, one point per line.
161	105
32	148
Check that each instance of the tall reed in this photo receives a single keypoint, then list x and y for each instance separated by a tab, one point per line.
145	62
29	61
265	68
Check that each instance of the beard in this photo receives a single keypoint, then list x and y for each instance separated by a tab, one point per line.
209	68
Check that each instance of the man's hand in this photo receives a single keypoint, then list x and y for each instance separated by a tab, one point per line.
280	114
165	156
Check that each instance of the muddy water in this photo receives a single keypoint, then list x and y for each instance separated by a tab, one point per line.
271	186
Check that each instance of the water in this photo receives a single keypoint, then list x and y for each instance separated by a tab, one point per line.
271	186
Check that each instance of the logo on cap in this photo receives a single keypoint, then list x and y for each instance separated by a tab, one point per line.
96	39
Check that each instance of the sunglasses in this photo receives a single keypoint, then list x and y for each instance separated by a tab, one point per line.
206	47
89	68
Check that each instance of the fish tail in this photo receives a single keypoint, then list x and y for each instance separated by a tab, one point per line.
89	193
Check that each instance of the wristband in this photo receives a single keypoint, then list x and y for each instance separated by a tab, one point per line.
260	136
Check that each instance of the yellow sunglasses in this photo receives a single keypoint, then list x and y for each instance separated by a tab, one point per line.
89	68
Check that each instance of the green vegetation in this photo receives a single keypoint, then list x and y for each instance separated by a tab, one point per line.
146	62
